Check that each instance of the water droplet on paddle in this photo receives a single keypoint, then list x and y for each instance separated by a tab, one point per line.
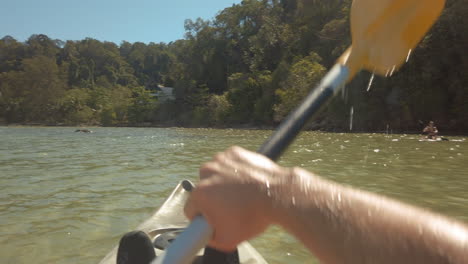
409	54
370	82
393	69
387	73
344	94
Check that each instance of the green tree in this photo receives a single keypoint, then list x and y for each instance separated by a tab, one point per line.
32	94
244	90
303	75
74	107
142	107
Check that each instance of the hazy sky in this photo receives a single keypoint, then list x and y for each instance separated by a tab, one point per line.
110	20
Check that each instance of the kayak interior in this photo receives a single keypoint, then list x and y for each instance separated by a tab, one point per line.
169	221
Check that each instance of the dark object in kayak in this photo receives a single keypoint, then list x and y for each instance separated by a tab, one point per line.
135	248
169	220
83	130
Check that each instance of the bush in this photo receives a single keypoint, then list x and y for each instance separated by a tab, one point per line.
303	75
219	107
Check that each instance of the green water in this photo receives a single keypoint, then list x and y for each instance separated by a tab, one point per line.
67	197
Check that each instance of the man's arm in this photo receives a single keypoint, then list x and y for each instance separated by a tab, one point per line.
344	225
241	193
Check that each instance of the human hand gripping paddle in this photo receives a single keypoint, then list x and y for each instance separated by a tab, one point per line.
383	34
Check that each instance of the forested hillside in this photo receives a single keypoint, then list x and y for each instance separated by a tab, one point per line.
250	65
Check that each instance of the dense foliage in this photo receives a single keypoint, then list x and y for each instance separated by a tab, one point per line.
250	65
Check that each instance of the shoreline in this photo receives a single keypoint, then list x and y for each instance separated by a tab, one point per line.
237	127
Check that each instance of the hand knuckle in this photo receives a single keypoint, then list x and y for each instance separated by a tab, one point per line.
235	150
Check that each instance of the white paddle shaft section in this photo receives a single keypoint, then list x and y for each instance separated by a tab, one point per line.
336	78
184	248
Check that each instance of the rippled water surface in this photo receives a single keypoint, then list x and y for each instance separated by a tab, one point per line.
67	197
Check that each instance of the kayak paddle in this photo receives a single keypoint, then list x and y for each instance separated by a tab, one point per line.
384	32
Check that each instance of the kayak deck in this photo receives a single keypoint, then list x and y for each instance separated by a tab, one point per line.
169	220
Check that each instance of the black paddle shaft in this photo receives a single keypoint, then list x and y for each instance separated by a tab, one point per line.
295	121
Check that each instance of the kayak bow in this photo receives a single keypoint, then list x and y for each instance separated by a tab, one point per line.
169	220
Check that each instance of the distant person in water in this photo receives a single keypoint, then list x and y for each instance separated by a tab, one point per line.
431	130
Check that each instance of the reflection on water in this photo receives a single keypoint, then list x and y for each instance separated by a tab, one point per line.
67	197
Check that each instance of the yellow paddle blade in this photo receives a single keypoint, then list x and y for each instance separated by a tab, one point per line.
384	32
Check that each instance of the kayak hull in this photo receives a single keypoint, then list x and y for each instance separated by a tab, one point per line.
432	140
170	218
